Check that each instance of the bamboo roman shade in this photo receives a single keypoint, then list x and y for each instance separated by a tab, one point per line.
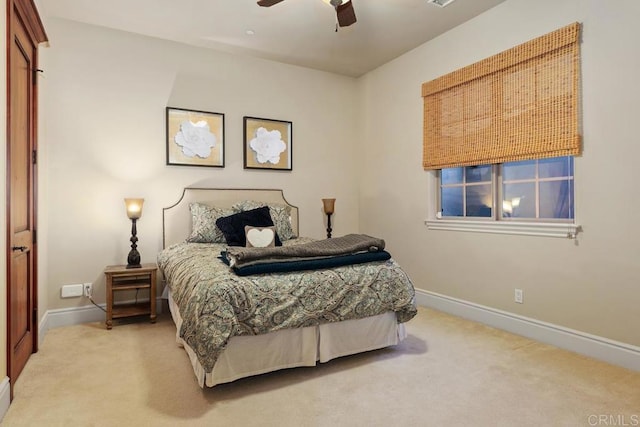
517	105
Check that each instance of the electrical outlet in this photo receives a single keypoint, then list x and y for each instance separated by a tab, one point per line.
519	296
88	289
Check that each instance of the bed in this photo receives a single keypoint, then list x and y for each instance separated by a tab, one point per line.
235	326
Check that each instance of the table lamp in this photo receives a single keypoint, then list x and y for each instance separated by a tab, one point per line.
134	212
328	206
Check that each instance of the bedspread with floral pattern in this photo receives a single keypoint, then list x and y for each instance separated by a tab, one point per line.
216	304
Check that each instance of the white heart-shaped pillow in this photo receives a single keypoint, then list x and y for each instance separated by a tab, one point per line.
260	237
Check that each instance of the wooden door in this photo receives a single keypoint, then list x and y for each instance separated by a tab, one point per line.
22	46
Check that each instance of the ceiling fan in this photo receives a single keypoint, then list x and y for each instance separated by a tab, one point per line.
344	10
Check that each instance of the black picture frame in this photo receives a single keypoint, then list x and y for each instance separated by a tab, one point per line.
195	138
268	144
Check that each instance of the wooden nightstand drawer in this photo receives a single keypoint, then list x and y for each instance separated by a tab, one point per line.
120	278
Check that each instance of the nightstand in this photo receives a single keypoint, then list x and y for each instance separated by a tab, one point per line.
120	278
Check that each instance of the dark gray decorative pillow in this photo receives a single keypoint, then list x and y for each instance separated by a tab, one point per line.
280	214
203	223
233	226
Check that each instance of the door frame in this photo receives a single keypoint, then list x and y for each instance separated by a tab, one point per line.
27	13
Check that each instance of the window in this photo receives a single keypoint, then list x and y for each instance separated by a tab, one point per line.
466	191
538	189
531	190
531	197
502	134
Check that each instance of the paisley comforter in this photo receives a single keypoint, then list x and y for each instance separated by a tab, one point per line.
216	304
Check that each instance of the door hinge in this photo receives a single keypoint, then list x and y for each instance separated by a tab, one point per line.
34	156
35	75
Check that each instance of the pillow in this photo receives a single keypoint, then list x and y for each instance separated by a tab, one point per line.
232	226
280	214
260	237
203	223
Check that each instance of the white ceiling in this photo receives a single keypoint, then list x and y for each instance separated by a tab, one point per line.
300	32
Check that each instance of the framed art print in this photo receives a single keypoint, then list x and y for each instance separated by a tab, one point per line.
267	144
195	138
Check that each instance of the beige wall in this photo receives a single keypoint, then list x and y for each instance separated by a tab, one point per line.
103	120
356	140
590	284
3	216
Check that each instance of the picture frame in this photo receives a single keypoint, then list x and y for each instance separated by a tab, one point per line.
195	138
268	144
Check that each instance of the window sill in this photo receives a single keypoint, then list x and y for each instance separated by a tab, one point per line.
565	230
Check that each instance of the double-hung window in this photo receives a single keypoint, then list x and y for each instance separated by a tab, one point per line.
530	190
502	134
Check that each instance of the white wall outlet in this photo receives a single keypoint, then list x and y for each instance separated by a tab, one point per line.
519	296
88	289
70	291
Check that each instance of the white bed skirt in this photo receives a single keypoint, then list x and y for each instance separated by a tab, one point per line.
292	348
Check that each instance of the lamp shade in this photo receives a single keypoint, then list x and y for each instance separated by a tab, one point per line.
134	207
328	205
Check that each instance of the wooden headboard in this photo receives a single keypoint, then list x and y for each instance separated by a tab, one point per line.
176	219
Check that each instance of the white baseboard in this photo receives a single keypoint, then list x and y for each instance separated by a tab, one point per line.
68	316
614	352
5	397
74	316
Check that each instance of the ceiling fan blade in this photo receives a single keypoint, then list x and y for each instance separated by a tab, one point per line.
346	14
268	3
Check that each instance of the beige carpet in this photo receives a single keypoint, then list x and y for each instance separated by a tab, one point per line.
449	372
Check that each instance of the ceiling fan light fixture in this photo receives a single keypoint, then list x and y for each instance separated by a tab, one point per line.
336	3
440	3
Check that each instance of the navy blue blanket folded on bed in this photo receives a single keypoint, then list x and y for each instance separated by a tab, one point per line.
308	264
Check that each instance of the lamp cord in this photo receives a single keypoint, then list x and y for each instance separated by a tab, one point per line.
94	303
101	308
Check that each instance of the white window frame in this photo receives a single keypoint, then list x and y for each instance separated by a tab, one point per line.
543	228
